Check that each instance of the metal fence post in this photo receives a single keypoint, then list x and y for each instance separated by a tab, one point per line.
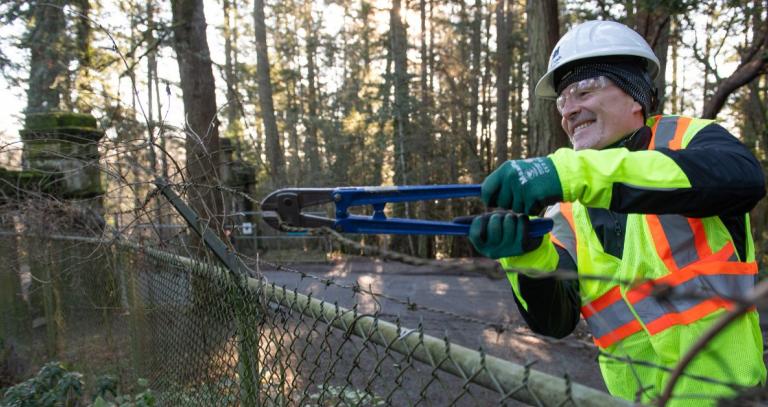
248	334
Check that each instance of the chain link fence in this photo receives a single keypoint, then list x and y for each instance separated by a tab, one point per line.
203	335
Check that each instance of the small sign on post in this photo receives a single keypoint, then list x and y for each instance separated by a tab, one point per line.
246	228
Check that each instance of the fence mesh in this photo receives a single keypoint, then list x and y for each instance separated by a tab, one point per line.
136	306
204	336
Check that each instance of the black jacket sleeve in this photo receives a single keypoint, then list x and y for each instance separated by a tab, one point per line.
553	304
726	179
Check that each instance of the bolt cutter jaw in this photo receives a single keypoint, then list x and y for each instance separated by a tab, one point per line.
284	207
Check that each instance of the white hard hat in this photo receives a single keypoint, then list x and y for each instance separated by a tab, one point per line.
594	39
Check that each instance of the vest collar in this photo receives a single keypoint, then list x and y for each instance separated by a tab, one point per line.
635	141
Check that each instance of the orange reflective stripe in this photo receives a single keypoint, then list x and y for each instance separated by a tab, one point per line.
613	295
700	238
563	234
688	316
656	120
682	127
712	265
566	208
664	131
611	320
679	241
652	144
618	334
660	241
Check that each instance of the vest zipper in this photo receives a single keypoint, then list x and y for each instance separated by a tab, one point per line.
618	231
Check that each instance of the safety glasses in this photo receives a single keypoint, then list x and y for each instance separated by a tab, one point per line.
579	91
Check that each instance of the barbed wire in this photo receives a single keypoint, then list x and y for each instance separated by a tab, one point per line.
410	305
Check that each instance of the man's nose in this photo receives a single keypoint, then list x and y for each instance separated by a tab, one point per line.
570	109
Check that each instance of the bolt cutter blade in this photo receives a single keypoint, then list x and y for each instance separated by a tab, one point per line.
284	207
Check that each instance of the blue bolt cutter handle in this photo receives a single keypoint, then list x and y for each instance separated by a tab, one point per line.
284	207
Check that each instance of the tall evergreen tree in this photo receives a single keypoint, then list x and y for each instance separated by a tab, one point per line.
199	96
47	42
311	150
503	68
274	146
544	131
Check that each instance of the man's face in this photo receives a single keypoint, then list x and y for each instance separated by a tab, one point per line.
596	113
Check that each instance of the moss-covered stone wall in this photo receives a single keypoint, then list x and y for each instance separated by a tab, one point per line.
64	144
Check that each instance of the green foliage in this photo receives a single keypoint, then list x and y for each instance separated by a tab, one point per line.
144	398
204	394
55	386
344	396
52	386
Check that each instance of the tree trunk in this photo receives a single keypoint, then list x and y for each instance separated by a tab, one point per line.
385	111
675	44
82	85
399	49
48	61
424	140
544	131
485	99
475	71
518	79
461	90
233	108
273	145
312	145
199	97
402	108
502	82
654	25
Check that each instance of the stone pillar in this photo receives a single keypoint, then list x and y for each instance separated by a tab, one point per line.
64	146
67	144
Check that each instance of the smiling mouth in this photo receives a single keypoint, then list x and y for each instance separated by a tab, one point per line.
583	126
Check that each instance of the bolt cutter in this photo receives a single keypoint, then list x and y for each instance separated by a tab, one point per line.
284	207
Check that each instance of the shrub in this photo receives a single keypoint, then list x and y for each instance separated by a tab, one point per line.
55	386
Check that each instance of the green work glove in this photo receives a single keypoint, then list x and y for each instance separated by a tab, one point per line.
502	234
524	186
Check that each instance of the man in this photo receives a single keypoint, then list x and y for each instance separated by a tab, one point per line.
640	203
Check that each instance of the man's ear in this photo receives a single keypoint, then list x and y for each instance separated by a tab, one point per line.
637	110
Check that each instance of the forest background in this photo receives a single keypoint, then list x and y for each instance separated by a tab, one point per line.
350	92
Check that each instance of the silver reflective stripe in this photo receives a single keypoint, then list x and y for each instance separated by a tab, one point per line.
693	292
562	229
725	285
680	237
610	318
649	309
665	131
679	299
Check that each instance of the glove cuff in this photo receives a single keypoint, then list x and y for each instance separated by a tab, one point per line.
541	260
538	262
